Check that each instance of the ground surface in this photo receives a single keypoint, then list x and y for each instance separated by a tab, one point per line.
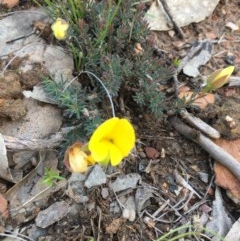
166	205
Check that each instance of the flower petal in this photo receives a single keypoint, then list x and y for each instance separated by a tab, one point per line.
112	141
59	28
100	152
102	132
115	155
123	136
77	159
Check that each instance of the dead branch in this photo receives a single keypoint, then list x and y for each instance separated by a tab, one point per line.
234	81
176	84
199	124
214	150
167	10
53	141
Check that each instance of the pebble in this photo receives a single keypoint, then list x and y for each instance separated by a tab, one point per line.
129	212
124	182
52	214
76	189
96	177
203	176
151	152
35	232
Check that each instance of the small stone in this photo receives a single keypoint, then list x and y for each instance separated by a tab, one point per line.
228	118
35	232
151	152
124	182
105	193
96	177
142	164
232	26
163	153
52	214
76	189
203	176
129	212
142	154
171	33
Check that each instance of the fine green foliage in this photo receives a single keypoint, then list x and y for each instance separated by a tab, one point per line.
91	239
104	38
71	99
77	105
180	232
50	177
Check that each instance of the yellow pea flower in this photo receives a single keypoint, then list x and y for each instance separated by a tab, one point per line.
112	141
218	78
76	159
59	28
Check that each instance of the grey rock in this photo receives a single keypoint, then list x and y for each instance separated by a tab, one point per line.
183	12
57	62
96	177
76	189
129	211
220	222
35	232
203	176
124	182
52	214
201	52
20	24
234	234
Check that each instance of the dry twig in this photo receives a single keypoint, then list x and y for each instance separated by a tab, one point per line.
199	124
214	150
167	10
99	223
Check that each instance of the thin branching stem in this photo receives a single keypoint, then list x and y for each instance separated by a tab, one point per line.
104	87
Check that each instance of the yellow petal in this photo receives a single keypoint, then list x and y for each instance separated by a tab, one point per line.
60	28
115	155
90	160
102	132
100	152
112	141
123	136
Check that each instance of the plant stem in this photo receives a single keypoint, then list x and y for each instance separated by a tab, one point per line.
104	87
109	22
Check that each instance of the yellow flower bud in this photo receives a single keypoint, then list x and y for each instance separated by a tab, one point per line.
59	28
218	78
